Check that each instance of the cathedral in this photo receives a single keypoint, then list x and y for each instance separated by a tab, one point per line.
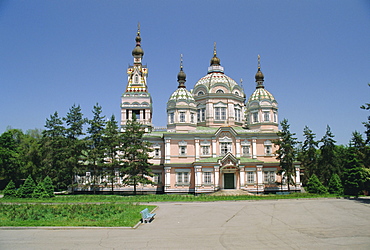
216	138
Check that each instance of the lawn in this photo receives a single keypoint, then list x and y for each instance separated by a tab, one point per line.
92	215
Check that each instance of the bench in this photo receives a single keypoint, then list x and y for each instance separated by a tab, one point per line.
146	216
282	193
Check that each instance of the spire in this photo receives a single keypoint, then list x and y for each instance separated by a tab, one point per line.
138	52
215	60
181	76
259	75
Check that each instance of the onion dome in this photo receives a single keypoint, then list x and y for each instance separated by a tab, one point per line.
259	75
138	51
181	93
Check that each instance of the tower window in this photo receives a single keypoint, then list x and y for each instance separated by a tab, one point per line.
200	93
192	118
237	114
220	113
182	116
266	116
136	79
219	91
255	117
171	118
225	147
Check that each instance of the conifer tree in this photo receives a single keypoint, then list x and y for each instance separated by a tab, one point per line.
95	143
335	185
315	186
136	166
308	155
327	162
10	190
40	191
26	190
75	122
287	152
112	139
48	185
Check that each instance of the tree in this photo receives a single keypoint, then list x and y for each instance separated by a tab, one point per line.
308	155
355	175
327	162
112	139
75	122
95	143
10	152
287	152
366	106
10	190
335	185
135	152
40	191
26	190
54	151
30	147
49	188
315	186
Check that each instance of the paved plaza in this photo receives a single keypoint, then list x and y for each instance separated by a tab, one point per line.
268	224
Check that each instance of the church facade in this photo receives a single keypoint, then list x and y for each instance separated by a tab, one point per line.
216	137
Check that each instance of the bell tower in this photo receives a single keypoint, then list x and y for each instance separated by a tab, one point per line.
136	101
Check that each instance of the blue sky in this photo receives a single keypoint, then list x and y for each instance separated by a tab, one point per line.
315	56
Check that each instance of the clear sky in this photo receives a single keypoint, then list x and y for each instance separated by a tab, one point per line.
315	56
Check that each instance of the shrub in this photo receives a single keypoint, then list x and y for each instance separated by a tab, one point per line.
26	190
10	190
49	188
315	186
335	185
40	191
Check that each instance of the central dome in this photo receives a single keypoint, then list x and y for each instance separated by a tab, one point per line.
216	78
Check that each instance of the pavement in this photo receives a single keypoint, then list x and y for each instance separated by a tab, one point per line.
267	224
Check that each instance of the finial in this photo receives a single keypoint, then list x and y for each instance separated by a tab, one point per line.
259	61
138	28
241	81
214	49
180	61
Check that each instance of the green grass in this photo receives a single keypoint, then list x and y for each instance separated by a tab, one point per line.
94	215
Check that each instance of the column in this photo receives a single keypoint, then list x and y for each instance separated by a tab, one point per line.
217	177
167	146
237	145
167	178
259	178
242	176
213	147
198	177
142	116
254	148
130	114
196	148
297	173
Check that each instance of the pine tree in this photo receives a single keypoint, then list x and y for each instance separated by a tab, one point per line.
136	166
95	143
287	152
335	185
54	151
10	190
40	191
327	163
308	155
26	190
355	176
48	185
75	122
112	139
315	186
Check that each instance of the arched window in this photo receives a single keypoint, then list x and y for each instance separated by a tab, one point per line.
200	93
219	91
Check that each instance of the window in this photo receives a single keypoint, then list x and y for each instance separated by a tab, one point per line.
182	178
182	150
200	93
157	178
207	177
255	117
225	147
237	114
220	113
201	114
156	152
268	150
269	177
205	150
266	116
136	79
182	116
192	118
275	117
250	177
172	117
245	150
219	91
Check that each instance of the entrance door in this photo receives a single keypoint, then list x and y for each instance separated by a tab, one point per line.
229	181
